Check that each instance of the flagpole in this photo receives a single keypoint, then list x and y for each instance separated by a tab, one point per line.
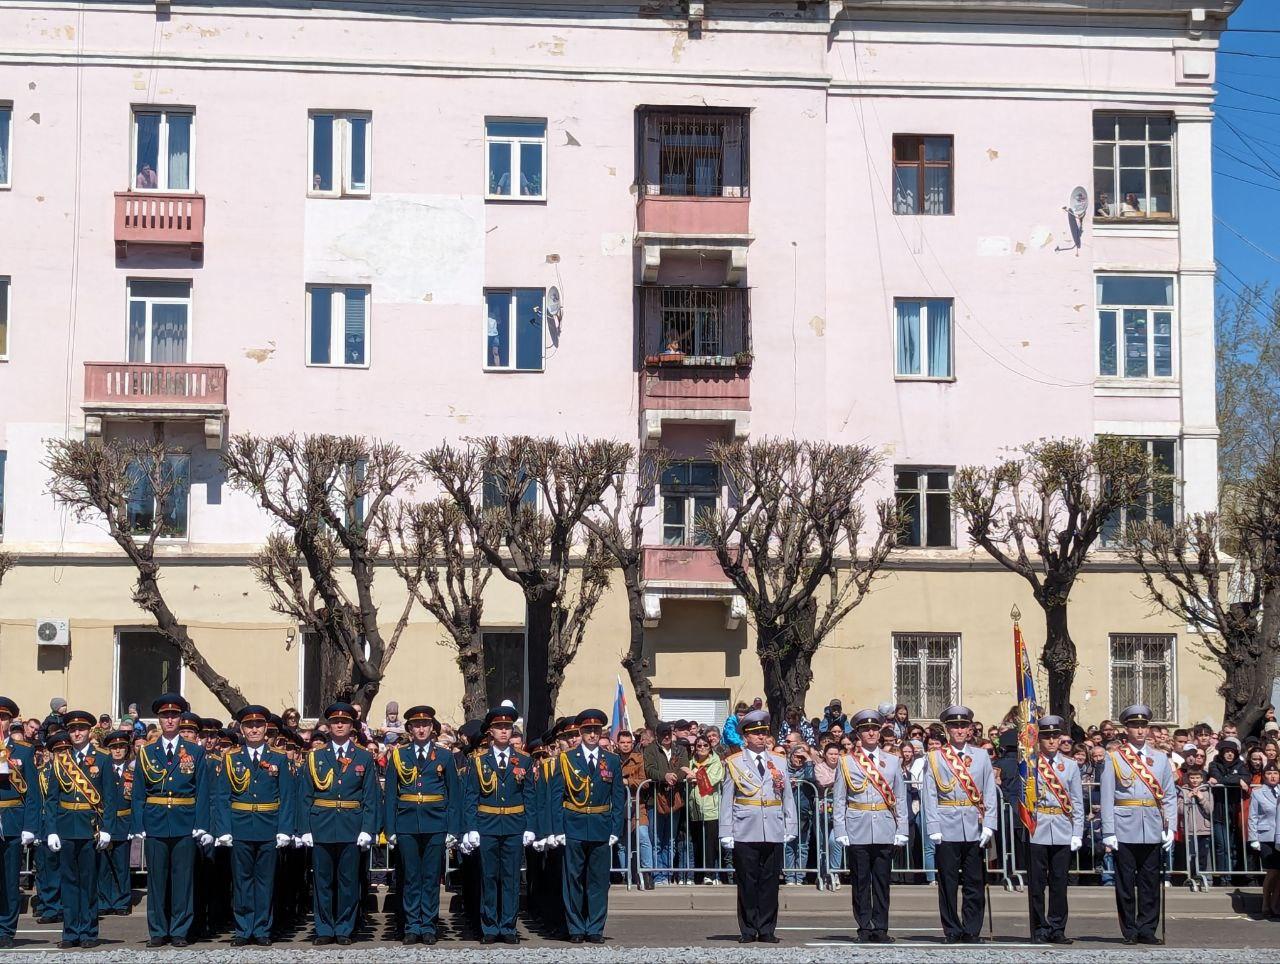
1016	615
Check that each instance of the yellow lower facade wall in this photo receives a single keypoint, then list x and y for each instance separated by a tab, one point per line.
228	615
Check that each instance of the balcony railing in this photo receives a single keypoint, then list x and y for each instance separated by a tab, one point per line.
151	218
687	564
694	326
129	385
702	154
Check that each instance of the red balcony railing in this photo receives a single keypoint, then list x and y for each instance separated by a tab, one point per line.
694	564
150	218
694	174
162	387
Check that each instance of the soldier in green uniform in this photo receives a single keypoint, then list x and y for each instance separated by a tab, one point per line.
500	803
80	817
48	882
587	803
115	890
20	804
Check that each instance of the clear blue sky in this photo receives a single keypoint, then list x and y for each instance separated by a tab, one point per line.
1248	101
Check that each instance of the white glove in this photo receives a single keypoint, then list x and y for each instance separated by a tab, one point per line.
613	839
28	838
308	840
1075	844
391	841
54	842
540	845
196	834
527	838
471	840
560	840
936	837
788	838
1168	839
206	839
985	837
140	835
283	840
843	841
1111	843
726	843
223	841
104	840
551	841
1255	845
450	840
363	840
899	840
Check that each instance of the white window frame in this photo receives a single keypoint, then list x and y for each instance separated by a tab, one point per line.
1116	144
1148	442
155	507
115	669
162	152
924	375
922	492
923	661
151	302
1170	698
4	461
688	494
340	160
1175	355
6	145
338	326
6	316
517	148
513	354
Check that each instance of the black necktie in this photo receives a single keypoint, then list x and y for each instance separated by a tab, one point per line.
760	765
502	760
422	755
168	752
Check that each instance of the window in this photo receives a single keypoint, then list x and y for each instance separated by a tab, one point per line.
689	491
147	667
924	503
516	154
3	457
694	153
162	149
337	326
313	661
494	495
926	672
341	152
695	322
6	144
1142	672
145	504
504	662
1135	326
1161	504
708	707
923	335
513	329
4	317
1133	166
922	174
159	322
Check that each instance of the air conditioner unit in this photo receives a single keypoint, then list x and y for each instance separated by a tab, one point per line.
53	632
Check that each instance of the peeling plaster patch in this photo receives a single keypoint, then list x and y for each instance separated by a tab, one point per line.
1041	236
35	118
612	171
1020	248
461	417
31	86
40	199
261	354
992	154
819	325
612	245
1077	307
994	247
555	46
69	32
677	48
570	140
1026	344
428	297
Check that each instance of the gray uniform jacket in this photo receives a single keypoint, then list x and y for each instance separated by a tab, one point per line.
751	811
1129	810
1054	827
947	807
1264	803
859	811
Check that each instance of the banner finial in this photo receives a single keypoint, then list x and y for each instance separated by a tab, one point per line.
1015	613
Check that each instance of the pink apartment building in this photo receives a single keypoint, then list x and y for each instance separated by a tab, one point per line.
664	222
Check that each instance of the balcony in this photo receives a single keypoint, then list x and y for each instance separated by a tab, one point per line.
694	190
687	572
131	391
695	356
162	219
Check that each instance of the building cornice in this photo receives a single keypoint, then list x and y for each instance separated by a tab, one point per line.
1092	8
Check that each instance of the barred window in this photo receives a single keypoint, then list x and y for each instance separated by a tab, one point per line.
926	672
1142	672
693	153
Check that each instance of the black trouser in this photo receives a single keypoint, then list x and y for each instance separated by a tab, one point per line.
1047	868
757	866
1138	874
869	866
961	865
703	836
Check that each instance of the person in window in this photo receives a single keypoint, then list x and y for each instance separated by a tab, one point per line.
1129	207
1103	210
147	178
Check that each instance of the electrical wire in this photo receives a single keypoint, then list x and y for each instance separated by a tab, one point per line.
1256	247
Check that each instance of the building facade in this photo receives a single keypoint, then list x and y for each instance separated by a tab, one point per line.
662	222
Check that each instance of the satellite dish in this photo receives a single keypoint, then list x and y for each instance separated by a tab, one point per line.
554	304
1079	203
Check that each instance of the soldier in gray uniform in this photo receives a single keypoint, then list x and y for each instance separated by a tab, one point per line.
870	819
757	816
961	813
1139	816
1059	830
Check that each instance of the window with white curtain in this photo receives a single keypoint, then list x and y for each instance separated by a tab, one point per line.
923	335
1135	326
149	509
516	159
4	317
162	139
923	174
341	152
6	143
159	321
337	326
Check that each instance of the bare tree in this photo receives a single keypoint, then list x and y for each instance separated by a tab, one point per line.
1232	601
321	491
525	498
7	562
618	521
1039	516
438	556
793	532
1248	381
99	483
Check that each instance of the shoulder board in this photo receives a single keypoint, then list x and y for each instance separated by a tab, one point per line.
732	756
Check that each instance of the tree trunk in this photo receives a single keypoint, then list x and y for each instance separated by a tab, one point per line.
634	660
335	672
1249	668
543	691
1059	660
786	658
475	697
147	595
